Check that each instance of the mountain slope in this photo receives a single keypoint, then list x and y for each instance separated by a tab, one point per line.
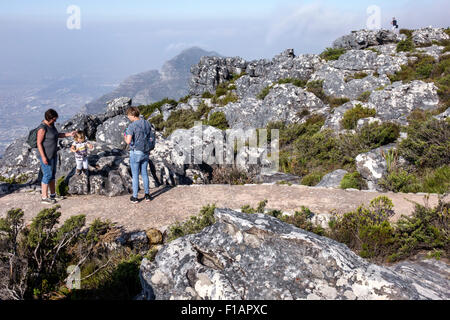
150	86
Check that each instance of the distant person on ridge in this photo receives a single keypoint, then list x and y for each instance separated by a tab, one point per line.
394	24
137	135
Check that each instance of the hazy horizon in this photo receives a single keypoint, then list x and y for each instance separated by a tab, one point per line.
121	38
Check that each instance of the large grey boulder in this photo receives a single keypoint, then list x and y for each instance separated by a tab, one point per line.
333	120
332	179
366	38
284	102
20	160
257	257
397	101
372	165
212	71
112	131
426	36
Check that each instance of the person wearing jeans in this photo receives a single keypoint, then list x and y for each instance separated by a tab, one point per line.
47	144
137	136
139	163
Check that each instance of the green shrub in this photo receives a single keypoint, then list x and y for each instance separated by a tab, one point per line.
406	32
336	102
312	179
366	230
353	180
194	225
374	135
406	45
296	82
264	92
437	180
427	144
207	95
147	110
357	75
302	219
351	116
231	175
218	120
364	97
62	188
332	54
224	100
400	181
426	229
15	180
184	99
373	50
316	87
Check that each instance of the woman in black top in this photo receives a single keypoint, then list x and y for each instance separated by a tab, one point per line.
47	143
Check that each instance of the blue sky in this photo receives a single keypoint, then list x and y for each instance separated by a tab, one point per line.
122	37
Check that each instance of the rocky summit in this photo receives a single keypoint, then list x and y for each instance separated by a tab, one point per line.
288	88
255	256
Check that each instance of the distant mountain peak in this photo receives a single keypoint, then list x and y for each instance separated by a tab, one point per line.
171	81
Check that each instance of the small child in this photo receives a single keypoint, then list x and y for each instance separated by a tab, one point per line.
80	147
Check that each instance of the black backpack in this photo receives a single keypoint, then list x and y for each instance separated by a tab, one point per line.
32	135
152	138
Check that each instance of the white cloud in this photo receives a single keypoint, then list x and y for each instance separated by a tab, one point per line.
311	20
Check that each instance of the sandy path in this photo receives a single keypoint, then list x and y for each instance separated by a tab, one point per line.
176	204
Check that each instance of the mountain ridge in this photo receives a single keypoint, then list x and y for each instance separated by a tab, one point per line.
153	85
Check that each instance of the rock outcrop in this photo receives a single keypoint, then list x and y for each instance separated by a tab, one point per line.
255	256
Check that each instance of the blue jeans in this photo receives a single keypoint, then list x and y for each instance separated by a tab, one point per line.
48	170
139	162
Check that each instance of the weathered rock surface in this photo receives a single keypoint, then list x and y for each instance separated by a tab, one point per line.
372	165
255	256
112	131
366	38
332	179
426	36
397	101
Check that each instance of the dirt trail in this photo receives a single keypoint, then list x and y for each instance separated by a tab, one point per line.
176	204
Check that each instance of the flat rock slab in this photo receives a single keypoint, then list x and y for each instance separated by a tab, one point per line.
176	204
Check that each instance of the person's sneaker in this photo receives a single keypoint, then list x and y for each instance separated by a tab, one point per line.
57	197
147	198
48	201
134	200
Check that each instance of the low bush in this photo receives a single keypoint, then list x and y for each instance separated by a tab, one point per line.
353	180
264	92
302	219
218	120
194	225
357	75
427	144
312	179
332	54
351	116
231	175
147	110
364	97
406	45
336	102
62	189
296	82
